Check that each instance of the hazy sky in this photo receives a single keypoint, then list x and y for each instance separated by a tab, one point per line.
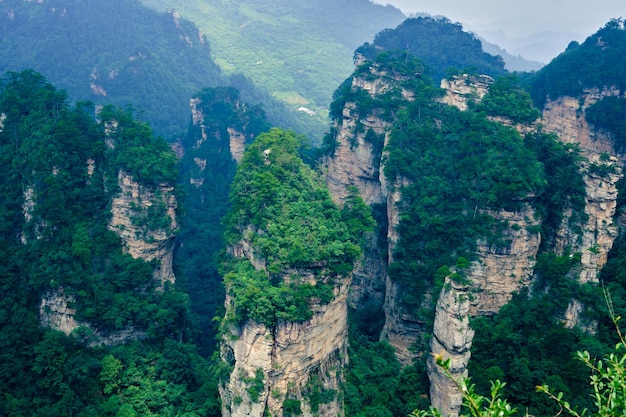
520	17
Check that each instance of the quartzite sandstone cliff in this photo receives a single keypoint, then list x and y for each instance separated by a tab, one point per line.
499	271
129	217
292	358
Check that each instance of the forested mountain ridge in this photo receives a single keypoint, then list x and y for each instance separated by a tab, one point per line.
150	61
454	49
298	50
123	53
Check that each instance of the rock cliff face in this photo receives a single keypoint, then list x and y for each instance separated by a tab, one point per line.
501	271
566	118
452	339
55	312
463	88
357	162
145	219
401	329
237	142
236	139
274	370
498	272
495	276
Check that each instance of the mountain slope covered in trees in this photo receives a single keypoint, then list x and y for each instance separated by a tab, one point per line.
298	50
440	43
123	53
61	170
114	52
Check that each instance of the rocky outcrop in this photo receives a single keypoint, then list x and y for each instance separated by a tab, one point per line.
401	329
236	138
145	218
274	369
503	269
452	339
55	312
600	231
565	117
237	143
601	170
28	205
499	271
356	162
461	89
197	118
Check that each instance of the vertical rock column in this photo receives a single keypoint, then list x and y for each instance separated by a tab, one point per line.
291	358
356	162
452	339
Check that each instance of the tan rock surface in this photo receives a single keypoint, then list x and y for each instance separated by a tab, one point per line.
452	339
140	240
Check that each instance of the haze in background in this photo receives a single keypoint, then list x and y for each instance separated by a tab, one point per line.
535	29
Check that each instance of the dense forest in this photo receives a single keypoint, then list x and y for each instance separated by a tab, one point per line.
153	62
63	158
454	49
64	245
592	64
300	51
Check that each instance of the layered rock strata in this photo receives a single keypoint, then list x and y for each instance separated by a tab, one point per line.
499	271
464	88
356	162
502	270
401	329
495	276
55	312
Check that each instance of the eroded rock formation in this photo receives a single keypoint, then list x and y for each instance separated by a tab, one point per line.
401	329
461	89
55	312
145	218
565	117
502	270
451	339
287	362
